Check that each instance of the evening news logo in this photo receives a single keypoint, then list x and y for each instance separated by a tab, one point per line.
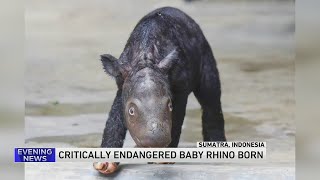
34	155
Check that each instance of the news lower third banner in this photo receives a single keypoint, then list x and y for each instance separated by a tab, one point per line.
205	152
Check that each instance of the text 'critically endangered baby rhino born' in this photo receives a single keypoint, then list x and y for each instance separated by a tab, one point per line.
165	59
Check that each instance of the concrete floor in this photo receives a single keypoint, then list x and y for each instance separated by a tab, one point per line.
155	171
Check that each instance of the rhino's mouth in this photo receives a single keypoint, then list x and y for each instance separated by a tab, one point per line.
139	143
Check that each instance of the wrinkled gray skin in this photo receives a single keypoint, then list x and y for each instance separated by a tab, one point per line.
146	95
148	108
165	59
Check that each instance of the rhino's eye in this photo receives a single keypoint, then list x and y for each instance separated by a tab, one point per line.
131	111
170	106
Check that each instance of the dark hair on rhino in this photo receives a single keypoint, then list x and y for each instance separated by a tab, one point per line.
166	58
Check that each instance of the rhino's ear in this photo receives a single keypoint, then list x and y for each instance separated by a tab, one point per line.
166	63
110	65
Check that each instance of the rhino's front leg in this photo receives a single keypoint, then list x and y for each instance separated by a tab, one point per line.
113	135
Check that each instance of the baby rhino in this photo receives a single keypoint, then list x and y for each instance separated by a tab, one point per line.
165	59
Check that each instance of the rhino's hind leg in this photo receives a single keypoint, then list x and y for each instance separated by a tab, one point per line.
208	94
